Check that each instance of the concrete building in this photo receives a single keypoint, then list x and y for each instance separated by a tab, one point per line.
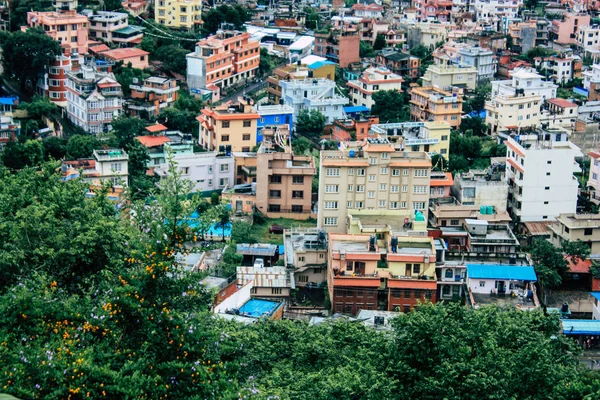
337	46
502	284
279	114
374	177
367	10
64	4
314	94
565	31
178	14
66	27
269	282
559	113
448	76
106	166
439	10
540	178
524	35
233	125
591	75
53	82
437	105
440	185
593	183
559	69
138	58
372	80
481	188
449	213
319	69
306	255
94	99
588	38
573	227
480	58
159	145
113	27
399	63
356	128
513	112
430	137
152	96
222	60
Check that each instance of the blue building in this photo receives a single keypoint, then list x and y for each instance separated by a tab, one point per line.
273	115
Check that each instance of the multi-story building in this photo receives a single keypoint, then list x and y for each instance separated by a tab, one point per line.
9	128
513	112
448	76
138	58
314	94
106	166
372	80
178	14
565	31
153	95
440	184
573	227
492	12
356	128
113	27
591	75
53	83
559	69
306	254
135	7
338	46
399	63
159	145
94	98
427	34
271	115
367	10
440	10
222	60
371	175
482	188
66	27
436	105
449	213
480	58
593	183
230	125
319	69
559	113
64	4
588	38
430	137
540	178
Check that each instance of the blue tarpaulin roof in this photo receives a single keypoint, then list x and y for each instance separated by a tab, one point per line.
595	295
481	114
498	271
9	101
581	326
355	109
319	64
281	249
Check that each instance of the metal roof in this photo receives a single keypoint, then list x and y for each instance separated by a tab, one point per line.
499	271
355	109
581	326
257	249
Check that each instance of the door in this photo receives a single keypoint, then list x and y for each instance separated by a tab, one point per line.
238	206
501	287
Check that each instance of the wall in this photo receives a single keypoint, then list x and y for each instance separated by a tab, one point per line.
350	300
404	300
236	300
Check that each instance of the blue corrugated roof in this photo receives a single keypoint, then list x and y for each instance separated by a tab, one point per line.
595	295
319	64
498	271
581	326
355	109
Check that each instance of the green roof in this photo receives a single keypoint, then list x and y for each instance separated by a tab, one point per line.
129	30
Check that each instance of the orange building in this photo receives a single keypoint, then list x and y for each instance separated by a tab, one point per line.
340	47
67	27
153	95
433	104
137	57
353	128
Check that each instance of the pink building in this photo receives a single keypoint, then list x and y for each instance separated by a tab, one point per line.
433	9
440	184
340	47
565	32
137	57
67	27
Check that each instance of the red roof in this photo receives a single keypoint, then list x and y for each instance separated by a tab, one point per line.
156	128
152	141
594	154
582	266
562	103
124	53
449	181
99	48
356	281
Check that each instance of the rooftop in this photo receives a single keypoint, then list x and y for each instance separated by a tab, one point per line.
258	249
124	53
303	239
499	271
580	327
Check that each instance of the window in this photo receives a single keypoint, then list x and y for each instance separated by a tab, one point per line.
440	191
225	124
331	205
547	188
350	171
394	188
404	188
225	138
420	172
275	194
360	172
371	194
360	188
332	172
298	179
382	203
405	172
454	222
449	274
331	188
588	231
246	136
276	290
115	167
297	194
223	181
297	208
247	124
350	188
395	172
358	204
372	161
481	283
74	39
418	205
403	204
330	221
384	170
382	186
594	176
185	170
417	189
349	204
547	174
224	167
393	205
372	178
275	179
416	268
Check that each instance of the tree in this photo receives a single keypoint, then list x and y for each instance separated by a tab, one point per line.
509	42
40	107
173	58
477	126
126	75
180	120
54	148
112	5
141	185
223	219
550	265
577	250
366	49
310	125
17	155
82	146
379	42
301	145
420	51
313	19
26	54
242	232
482	94
126	129
20	8
214	198
185	102
391	106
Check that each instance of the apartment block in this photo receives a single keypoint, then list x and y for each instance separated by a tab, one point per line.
588	38
449	213
559	69
106	166
158	145
559	113
319	69
440	10
513	112
113	27
64	4
373	79
540	179
222	60
356	128
594	175
430	137
178	14
53	82
306	255
480	58
233	125
152	96
523	34
448	76
314	94
271	115
481	188
94	98
371	175
399	63
565	31
338	46
440	184
572	227
66	27
436	105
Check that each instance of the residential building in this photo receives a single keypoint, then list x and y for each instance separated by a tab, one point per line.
513	112
9	128
245	164
367	10
178	14
559	113
588	38
64	4
434	104
53	82
135	7
448	76
430	137
399	63
482	188
319	69
66	27
356	128
438	10
480	58
524	34
490	239
222	60
596	308
314	94
502	284
451	278
279	114
94	99
427	34
232	125
208	171
371	175
152	96
106	166
573	227
157	146
440	184
559	69
540	178
267	282
338	46
306	254
565	31
113	27
593	183
487	40
491	12
507	64
138	58
373	80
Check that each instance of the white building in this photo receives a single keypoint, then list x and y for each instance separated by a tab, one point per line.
559	113
314	94
591	75
540	177
493	11
508	111
113	27
64	4
588	37
368	10
559	69
94	99
373	80
106	166
207	171
528	82
594	176
480	58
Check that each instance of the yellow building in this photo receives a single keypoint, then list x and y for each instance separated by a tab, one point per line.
319	69
513	112
178	14
446	76
433	104
232	125
430	137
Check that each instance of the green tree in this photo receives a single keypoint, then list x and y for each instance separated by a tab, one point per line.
379	42
223	219
476	125
17	155
180	120
482	94
310	125
26	54
366	49
126	75
242	232
82	146
391	106
577	250
509	42
420	51
214	199
20	8
173	58
112	5
54	148
312	18
550	266
185	102
126	129
301	145
40	107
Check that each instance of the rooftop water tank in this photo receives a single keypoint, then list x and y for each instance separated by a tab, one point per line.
351	153
419	216
483	210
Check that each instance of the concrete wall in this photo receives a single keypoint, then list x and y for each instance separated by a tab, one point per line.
236	300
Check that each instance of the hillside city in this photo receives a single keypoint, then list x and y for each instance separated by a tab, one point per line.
256	199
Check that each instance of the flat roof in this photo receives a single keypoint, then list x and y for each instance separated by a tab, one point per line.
499	271
302	42
580	326
258	249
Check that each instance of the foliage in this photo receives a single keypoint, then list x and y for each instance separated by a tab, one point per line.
310	125
186	102
81	146
509	42
214	198
477	126
482	94
391	106
379	42
40	107
126	129
25	54
223	219
550	266
577	250
125	75
242	232
180	120
366	49
312	18
54	148
17	155
20	8
112	5
537	52
301	145
268	62
213	19
172	58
